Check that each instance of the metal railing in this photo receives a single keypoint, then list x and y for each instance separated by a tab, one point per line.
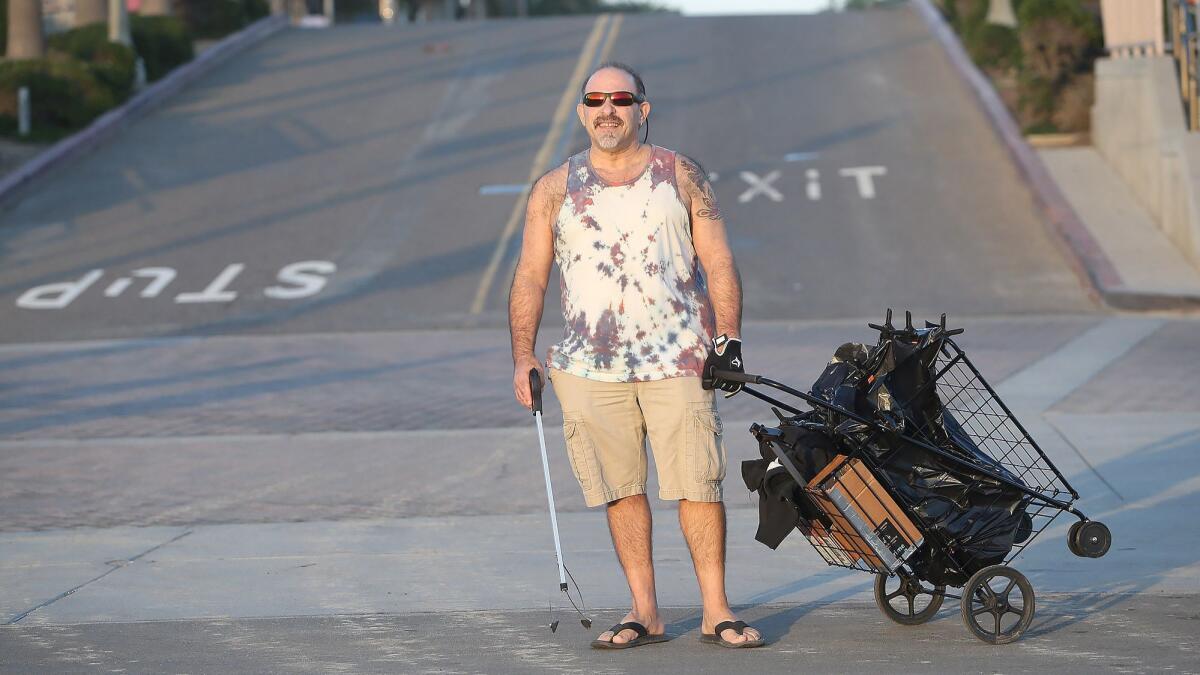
1184	44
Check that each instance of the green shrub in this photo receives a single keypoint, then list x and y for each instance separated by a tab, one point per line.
213	18
65	95
1058	38
3	27
1040	63
257	9
163	43
993	46
111	63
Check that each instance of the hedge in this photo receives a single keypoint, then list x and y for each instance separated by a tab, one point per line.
111	63
163	43
66	95
208	19
1042	67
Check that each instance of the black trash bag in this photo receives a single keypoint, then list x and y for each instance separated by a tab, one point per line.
782	504
969	519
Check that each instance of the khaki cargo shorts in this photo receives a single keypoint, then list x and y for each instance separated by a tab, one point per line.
606	425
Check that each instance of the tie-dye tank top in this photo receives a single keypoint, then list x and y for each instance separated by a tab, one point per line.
633	293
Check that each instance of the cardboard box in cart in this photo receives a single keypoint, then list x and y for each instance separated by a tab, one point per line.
865	523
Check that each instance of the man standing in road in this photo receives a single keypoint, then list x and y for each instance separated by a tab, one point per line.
648	280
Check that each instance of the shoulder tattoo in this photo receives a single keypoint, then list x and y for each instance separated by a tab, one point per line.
703	190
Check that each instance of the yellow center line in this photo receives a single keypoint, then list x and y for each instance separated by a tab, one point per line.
604	52
544	154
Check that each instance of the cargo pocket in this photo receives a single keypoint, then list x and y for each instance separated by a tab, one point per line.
580	451
706	450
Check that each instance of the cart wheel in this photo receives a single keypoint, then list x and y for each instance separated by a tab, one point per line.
910	611
1071	539
991	607
1089	539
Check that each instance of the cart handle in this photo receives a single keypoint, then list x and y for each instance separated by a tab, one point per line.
734	376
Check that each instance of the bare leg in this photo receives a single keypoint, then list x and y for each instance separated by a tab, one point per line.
703	525
630	524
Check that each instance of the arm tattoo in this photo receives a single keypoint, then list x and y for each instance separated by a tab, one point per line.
703	190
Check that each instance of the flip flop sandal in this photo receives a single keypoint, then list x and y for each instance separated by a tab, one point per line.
643	637
738	627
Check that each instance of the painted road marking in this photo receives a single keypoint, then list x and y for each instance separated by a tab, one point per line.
864	176
513	189
161	277
760	185
813	187
215	291
296	280
800	156
57	295
307	276
557	126
864	180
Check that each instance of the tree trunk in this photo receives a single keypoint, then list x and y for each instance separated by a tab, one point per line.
88	12
25	39
156	8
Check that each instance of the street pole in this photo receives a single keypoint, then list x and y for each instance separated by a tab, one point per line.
88	12
118	23
25	40
278	7
329	10
522	8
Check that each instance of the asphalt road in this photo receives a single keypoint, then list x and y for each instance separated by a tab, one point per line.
274	430
855	168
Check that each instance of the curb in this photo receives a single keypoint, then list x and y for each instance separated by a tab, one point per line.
111	122
1084	254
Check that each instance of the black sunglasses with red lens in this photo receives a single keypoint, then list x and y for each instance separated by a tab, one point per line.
623	99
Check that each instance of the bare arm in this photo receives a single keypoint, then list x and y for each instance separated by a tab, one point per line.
712	245
527	295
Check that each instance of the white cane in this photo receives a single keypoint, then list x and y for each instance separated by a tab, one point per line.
535	388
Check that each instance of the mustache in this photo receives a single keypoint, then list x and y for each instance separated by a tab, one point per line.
601	120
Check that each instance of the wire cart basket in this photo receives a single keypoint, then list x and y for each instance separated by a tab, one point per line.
857	516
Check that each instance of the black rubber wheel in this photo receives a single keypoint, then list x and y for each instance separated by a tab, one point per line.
912	610
1071	538
991	608
1090	539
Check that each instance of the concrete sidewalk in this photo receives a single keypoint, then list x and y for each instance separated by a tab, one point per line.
1153	272
384	594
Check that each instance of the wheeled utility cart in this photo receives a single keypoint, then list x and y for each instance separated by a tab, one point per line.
909	466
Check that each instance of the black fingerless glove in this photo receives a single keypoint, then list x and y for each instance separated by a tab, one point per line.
726	355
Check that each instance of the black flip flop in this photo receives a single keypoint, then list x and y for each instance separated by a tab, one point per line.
643	637
738	627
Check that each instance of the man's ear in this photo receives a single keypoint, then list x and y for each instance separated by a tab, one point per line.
645	106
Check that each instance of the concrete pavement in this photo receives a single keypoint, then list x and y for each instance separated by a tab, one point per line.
1152	271
270	435
225	569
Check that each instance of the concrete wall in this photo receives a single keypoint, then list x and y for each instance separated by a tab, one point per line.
1138	126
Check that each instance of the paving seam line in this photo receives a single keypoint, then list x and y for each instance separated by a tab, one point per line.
113	566
110	123
1083	253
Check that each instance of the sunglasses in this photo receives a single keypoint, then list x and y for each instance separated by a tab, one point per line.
622	99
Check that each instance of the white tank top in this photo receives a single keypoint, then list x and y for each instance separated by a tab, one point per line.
633	293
